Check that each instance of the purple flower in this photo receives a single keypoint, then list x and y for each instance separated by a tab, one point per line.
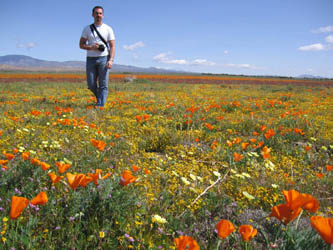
160	230
17	191
180	232
57	228
71	218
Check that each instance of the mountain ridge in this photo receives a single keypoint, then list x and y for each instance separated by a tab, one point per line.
28	63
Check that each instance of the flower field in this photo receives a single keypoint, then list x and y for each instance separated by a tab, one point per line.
242	164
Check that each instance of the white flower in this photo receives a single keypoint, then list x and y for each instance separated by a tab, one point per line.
158	219
217	174
185	181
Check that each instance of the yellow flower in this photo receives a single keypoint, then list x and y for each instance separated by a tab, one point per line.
5	219
3	239
101	234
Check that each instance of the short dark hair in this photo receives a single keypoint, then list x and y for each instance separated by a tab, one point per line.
97	7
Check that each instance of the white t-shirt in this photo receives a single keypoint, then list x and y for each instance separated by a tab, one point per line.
105	31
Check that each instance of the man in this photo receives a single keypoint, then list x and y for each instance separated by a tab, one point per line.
100	54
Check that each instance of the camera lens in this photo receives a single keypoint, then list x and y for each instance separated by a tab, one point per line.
101	47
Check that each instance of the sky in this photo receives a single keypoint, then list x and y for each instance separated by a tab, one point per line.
257	37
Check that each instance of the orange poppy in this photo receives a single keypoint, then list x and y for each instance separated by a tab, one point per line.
95	175
284	213
55	178
324	227
34	161
295	200
44	166
127	178
135	168
237	157
262	128
146	117
18	204
138	118
224	228
329	167
311	203
247	232
62	167
100	145
237	140
3	162
320	175
40	199
265	152
85	181
245	145
74	179
146	171
209	126
105	176
186	243
269	133
25	155
8	156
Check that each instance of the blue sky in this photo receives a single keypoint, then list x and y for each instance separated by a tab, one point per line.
258	37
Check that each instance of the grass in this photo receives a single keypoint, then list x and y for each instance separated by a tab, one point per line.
183	138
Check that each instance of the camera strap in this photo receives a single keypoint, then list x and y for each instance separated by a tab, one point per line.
93	28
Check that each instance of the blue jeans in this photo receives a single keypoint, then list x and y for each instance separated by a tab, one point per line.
97	78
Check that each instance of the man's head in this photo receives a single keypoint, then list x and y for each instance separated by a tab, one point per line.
98	14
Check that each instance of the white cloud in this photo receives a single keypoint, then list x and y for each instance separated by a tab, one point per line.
329	39
226	52
312	47
29	45
242	66
202	62
164	58
325	29
134	46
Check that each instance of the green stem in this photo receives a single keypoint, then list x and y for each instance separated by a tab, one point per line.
278	232
299	216
265	237
218	244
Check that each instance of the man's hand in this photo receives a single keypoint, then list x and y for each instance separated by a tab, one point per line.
84	45
95	46
109	64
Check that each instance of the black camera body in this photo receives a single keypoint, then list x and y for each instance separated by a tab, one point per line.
101	47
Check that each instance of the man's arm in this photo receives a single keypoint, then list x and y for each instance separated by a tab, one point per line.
84	45
112	52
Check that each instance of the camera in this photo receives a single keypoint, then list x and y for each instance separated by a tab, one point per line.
101	47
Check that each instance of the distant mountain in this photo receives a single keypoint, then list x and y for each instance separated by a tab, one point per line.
27	63
307	76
